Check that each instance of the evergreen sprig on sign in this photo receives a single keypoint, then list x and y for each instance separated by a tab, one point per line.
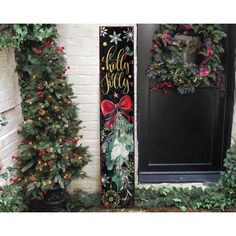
117	147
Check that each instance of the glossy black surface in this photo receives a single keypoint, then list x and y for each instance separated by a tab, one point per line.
183	135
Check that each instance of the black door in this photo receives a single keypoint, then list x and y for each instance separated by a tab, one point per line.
183	138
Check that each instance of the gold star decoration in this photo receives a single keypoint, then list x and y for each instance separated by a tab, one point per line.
104	44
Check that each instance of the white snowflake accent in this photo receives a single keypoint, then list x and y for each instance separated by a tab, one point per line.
115	38
105	180
103	31
129	35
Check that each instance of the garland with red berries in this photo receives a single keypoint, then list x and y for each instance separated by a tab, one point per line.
169	67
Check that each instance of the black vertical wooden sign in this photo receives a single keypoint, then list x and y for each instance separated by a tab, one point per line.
117	116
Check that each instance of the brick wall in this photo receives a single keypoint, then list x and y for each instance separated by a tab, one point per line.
9	107
81	47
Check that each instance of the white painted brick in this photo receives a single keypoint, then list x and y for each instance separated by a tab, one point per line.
88	99
89	116
88	51
91	126
9	107
84	70
82	42
9	149
83	80
95	152
75	60
6	105
90	134
92	143
89	108
85	89
6	94
3	77
10	137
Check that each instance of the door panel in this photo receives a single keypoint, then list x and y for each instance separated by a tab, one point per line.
182	138
181	130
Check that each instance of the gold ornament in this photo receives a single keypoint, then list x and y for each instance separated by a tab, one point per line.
50	149
50	163
28	121
111	199
42	112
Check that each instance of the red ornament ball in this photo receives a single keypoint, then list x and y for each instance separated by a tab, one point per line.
40	153
40	52
74	155
40	95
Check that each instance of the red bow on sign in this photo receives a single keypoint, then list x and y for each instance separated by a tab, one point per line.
109	108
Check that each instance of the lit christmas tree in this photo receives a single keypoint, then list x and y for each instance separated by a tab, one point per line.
49	154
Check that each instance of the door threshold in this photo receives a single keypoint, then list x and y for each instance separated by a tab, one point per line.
178	177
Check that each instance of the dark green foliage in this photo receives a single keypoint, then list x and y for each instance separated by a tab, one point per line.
218	195
81	200
228	177
193	198
11	195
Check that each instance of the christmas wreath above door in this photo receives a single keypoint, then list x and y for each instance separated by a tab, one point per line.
186	56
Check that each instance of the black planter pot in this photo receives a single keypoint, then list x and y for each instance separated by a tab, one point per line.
54	200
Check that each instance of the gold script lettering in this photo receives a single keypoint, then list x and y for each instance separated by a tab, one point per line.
117	71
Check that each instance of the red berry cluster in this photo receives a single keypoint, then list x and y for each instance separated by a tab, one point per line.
40	95
68	105
66	69
40	86
48	44
73	140
40	152
15	180
15	158
26	143
74	155
60	49
38	51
